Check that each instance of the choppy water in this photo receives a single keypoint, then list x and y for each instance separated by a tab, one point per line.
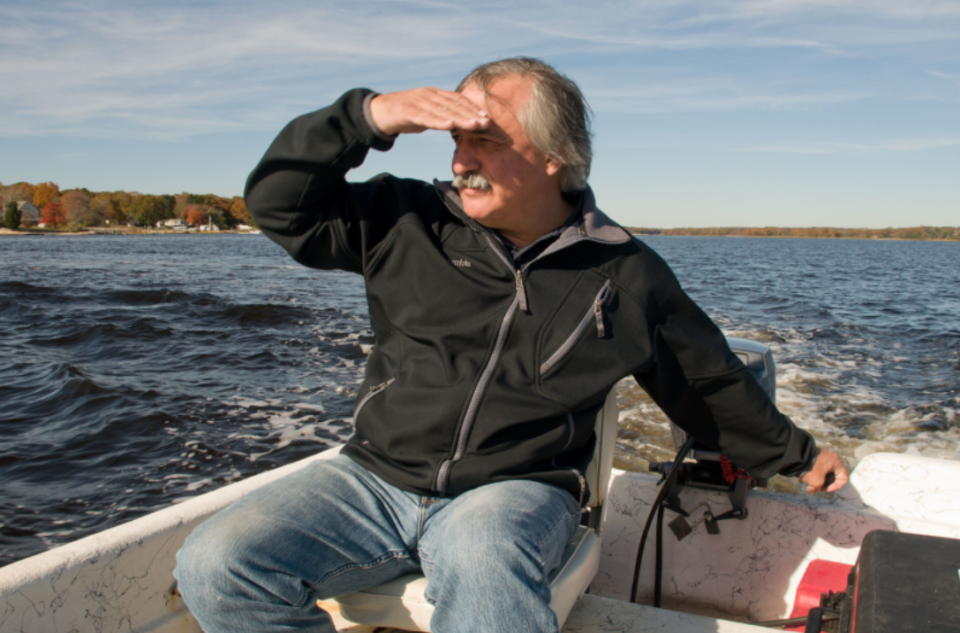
139	371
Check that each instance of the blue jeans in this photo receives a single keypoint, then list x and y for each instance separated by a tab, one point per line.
334	528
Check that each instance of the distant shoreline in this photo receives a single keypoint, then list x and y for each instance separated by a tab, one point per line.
133	232
910	233
633	231
803	237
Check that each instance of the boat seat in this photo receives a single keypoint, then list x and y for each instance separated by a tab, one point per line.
401	603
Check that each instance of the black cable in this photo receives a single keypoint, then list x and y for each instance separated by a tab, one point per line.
661	496
658	549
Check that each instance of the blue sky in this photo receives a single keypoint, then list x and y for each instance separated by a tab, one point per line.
728	113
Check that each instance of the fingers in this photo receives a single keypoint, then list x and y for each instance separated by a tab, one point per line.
841	477
828	473
413	111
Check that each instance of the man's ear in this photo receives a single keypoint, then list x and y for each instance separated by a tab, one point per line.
553	167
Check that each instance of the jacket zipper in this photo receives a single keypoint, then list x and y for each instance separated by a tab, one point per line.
593	315
517	273
580	477
519	301
374	390
521	291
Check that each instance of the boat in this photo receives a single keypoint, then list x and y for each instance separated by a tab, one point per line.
742	555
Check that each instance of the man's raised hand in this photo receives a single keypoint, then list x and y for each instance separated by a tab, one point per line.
413	111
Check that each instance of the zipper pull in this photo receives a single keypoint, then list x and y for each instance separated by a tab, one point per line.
522	292
583	489
601	299
598	313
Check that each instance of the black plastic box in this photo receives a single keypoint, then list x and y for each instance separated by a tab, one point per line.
906	583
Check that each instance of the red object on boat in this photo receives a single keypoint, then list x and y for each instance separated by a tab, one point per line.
821	576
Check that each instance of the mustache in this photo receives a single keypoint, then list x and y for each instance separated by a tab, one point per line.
471	181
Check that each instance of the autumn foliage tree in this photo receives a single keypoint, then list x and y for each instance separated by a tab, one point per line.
111	206
19	192
239	211
196	215
218	208
44	193
53	215
76	204
147	210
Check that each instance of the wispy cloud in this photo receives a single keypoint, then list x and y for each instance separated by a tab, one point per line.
177	68
952	78
182	70
723	93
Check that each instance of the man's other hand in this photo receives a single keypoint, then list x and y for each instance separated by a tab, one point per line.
819	478
413	111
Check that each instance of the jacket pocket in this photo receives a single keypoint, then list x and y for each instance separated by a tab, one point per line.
592	316
374	391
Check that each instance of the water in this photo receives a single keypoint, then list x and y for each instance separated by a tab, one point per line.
866	336
136	372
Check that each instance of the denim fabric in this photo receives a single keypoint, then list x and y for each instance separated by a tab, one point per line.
334	528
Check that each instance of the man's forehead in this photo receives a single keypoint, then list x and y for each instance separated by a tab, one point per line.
502	100
508	93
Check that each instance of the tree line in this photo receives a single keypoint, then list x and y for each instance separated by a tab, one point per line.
910	233
77	209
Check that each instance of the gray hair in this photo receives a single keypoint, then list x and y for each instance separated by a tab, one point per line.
556	119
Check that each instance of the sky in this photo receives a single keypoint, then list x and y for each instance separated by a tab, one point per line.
797	113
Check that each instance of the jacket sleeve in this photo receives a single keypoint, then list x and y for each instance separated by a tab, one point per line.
704	388
299	195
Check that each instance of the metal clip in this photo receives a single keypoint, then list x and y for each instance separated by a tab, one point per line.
712	526
681	528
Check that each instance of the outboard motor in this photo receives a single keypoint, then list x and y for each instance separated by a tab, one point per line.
709	469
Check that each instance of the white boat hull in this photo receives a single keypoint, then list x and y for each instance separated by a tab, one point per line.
121	579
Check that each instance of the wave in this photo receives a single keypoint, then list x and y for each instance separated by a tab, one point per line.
128	383
25	289
266	314
155	296
99	338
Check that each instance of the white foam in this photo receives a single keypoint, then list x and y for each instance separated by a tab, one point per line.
196	485
247	403
304	406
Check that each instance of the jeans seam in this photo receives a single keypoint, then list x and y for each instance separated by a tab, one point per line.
427	565
389	556
422	519
547	536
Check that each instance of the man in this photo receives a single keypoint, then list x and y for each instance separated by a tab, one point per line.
505	306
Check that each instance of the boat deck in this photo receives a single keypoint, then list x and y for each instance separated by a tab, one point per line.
594	614
122	579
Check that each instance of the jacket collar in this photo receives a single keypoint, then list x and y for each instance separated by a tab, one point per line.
594	224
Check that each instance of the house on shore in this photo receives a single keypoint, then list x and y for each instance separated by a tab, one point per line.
175	224
29	213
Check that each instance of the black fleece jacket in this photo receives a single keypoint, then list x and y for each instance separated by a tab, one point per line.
485	373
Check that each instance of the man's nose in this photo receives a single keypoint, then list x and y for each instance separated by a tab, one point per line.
465	159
